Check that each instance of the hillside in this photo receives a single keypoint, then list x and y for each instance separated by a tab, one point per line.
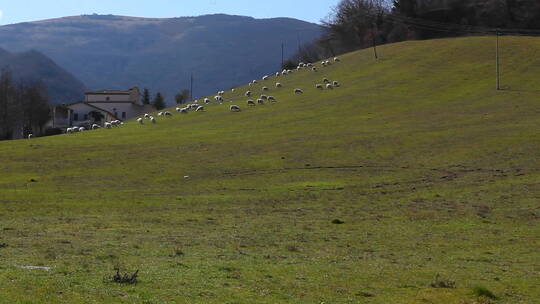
433	175
32	66
117	52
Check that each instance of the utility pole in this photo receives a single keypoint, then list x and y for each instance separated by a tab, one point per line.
282	54
191	87
497	63
374	42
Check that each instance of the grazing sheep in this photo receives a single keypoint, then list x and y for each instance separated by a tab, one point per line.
272	99
319	86
250	84
108	125
69	130
265	89
160	114
235	108
323	63
255	82
200	109
329	86
264	97
184	111
325	80
314	69
336	59
95	127
30	136
232	90
248	94
193	107
82	129
169	114
218	98
277	74
309	65
298	91
206	100
265	78
140	120
250	103
221	93
146	116
279	85
336	84
153	120
178	109
260	101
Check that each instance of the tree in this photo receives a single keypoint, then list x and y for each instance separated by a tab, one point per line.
159	102
146	96
182	97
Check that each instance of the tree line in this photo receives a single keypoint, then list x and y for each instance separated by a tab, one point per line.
24	107
357	24
159	100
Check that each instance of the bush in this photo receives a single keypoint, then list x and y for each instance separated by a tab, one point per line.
481	291
289	65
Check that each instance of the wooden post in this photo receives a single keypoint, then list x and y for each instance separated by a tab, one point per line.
497	62
374	42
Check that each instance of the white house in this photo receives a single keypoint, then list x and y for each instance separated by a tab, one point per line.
99	107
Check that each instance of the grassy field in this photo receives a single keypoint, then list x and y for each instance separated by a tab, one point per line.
433	174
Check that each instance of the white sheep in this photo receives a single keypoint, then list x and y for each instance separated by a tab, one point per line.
140	120
336	59
108	125
206	100
199	109
325	80
336	84
30	136
82	129
272	99
298	91
221	93
250	103
169	114
235	108
193	107
160	114
146	116
265	89
329	86
248	94
75	129
69	130
264	97
314	69
178	109
265	78
279	85
153	120
319	86
255	82
260	101
278	74
184	111
232	90
95	127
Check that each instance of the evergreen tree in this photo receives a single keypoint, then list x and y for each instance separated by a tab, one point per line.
159	102
146	97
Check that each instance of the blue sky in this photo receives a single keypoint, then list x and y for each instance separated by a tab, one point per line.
15	11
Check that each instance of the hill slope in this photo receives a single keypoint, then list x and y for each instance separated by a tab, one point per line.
119	52
62	86
432	171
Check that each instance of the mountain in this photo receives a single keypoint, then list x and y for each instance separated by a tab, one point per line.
116	52
30	66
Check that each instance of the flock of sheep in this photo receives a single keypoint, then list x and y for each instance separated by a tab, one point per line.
195	107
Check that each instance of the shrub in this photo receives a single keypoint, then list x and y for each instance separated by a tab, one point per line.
442	283
481	291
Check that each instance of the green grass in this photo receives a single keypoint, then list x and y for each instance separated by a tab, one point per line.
433	172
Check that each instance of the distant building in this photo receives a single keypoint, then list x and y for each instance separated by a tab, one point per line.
100	107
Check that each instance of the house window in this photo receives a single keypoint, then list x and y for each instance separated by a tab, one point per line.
85	116
76	116
124	115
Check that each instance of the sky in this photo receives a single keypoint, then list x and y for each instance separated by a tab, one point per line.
15	11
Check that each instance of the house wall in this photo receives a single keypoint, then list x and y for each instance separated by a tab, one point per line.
130	110
107	98
81	110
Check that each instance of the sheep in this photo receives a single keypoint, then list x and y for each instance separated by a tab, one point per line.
272	99
197	101
248	94
160	114
265	78
140	120
184	111
82	129
278	74
221	93
319	86
264	97
108	125
200	109
153	120
206	100
279	85
298	91
329	86
235	108
232	90
30	136
169	114
146	116
260	101
95	127
178	109
336	59
218	98
325	80
314	69
309	65
75	129
254	82
265	89
336	84
323	63
193	107
250	103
